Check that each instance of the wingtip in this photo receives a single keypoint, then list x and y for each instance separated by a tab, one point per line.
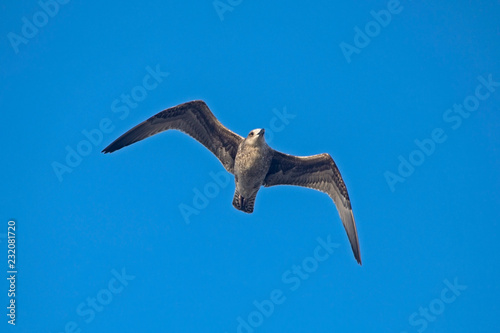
107	150
110	148
357	255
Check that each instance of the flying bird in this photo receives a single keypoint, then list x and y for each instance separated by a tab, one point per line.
252	162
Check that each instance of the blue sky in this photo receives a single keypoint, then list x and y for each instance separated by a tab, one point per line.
404	95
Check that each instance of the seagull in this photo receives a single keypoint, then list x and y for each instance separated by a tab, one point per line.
252	162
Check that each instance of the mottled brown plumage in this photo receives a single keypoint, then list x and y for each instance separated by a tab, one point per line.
251	160
318	172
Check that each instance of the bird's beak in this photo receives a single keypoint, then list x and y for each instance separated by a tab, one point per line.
262	131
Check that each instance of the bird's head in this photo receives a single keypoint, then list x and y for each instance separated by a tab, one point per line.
255	137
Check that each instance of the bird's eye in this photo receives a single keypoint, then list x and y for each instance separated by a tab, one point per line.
251	133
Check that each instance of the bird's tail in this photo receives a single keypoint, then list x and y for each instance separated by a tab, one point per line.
243	204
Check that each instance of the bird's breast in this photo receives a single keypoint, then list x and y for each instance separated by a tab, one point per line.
251	165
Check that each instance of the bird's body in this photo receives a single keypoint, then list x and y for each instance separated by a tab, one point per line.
251	160
251	165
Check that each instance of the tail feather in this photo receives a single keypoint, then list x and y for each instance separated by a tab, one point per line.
243	204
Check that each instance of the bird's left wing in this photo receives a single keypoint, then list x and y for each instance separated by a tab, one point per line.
318	172
193	118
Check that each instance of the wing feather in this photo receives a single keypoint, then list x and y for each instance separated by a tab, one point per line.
193	118
318	172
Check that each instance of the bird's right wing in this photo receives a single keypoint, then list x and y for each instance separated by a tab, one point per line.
318	172
193	118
